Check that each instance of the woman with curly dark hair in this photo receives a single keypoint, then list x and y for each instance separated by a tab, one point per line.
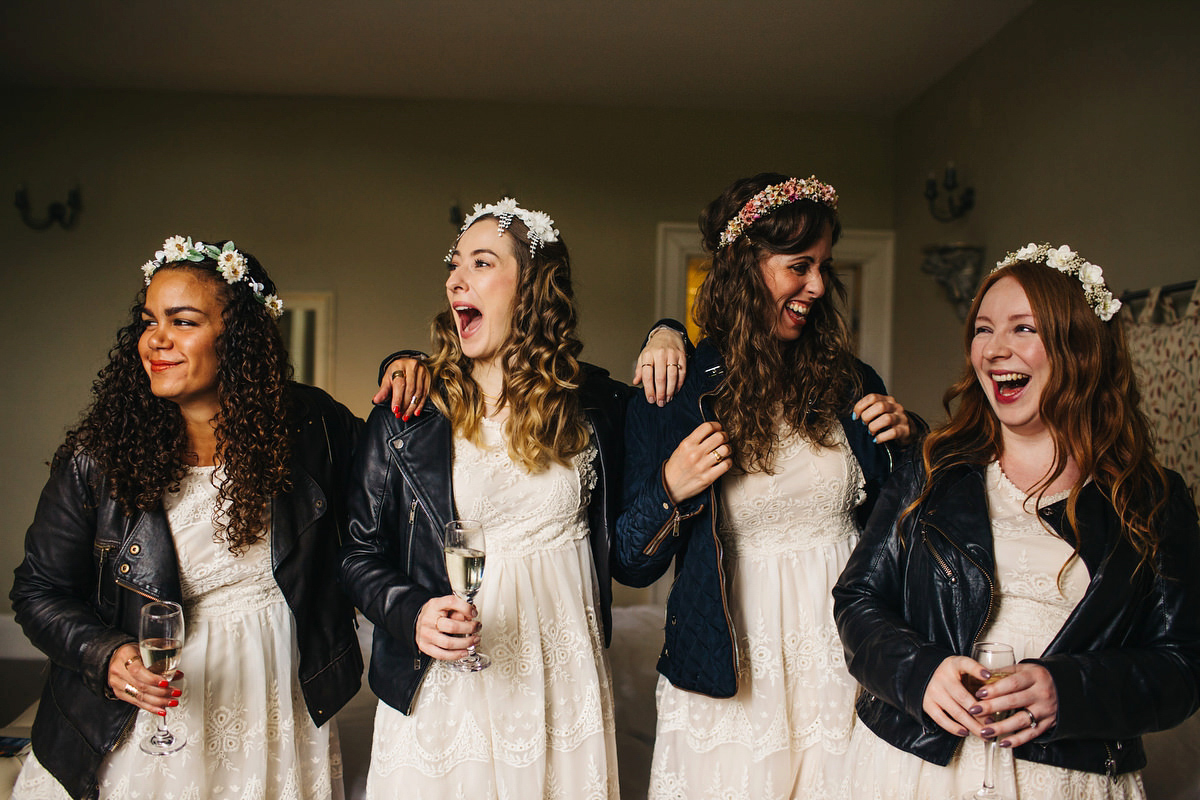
1037	518
199	475
754	480
525	438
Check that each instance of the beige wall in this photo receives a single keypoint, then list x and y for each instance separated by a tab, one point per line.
1078	123
353	197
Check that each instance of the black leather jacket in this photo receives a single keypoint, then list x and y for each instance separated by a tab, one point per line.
89	569
700	653
401	499
1126	661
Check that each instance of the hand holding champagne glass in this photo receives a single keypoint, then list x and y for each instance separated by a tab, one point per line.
465	552
160	639
998	659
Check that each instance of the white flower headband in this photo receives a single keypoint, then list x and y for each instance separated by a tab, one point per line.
230	264
541	227
1067	261
773	197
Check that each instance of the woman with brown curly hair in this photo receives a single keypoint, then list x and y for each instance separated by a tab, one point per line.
754	481
199	475
1039	518
522	436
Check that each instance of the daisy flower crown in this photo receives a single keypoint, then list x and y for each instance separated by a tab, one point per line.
231	265
541	227
1067	261
776	196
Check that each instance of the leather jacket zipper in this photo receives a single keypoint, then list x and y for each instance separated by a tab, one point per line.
412	516
135	590
1110	762
943	565
987	576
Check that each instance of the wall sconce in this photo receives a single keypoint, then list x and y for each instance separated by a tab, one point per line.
959	269
954	208
65	214
457	217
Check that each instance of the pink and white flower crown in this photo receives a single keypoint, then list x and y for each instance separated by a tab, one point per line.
1067	261
773	197
230	264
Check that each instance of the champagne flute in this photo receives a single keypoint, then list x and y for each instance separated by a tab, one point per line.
160	638
998	659
464	549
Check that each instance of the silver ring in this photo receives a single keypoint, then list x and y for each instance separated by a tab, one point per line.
131	691
1033	721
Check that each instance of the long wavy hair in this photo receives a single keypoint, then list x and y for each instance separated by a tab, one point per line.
1090	406
540	359
140	441
811	381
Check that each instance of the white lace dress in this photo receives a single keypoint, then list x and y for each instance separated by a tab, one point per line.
786	538
537	723
249	734
1033	604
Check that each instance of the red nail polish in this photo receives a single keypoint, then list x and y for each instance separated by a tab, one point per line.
396	411
176	692
162	712
163	684
405	418
172	704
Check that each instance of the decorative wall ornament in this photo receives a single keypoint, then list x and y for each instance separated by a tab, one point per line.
959	269
65	214
955	207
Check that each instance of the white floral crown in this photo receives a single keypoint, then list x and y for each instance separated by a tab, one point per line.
230	264
1067	261
773	197
541	227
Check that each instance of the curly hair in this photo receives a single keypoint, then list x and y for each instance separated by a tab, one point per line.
1090	406
812	380
140	440
540	358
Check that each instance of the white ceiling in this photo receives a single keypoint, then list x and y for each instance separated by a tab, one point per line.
868	56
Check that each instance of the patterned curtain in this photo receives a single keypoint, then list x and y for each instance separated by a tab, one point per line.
1165	346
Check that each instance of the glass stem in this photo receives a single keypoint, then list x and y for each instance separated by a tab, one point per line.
989	766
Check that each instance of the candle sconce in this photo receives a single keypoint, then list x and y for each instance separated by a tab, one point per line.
955	207
65	214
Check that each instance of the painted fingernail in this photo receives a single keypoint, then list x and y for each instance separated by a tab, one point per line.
981	694
176	693
962	731
404	418
162	712
1006	743
163	684
973	710
396	411
875	439
172	704
418	412
987	733
987	673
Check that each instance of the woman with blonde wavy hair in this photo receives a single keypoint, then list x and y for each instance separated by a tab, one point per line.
522	436
754	481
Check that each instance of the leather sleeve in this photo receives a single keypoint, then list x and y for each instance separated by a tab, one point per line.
56	584
371	569
890	659
1152	682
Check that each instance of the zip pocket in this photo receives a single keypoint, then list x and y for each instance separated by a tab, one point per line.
938	558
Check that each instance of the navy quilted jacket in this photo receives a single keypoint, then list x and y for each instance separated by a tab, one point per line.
699	653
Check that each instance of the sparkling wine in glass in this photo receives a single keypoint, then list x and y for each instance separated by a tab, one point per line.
465	552
998	659
160	638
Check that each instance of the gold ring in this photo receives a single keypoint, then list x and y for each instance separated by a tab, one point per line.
131	691
717	455
1033	721
131	659
676	366
396	373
